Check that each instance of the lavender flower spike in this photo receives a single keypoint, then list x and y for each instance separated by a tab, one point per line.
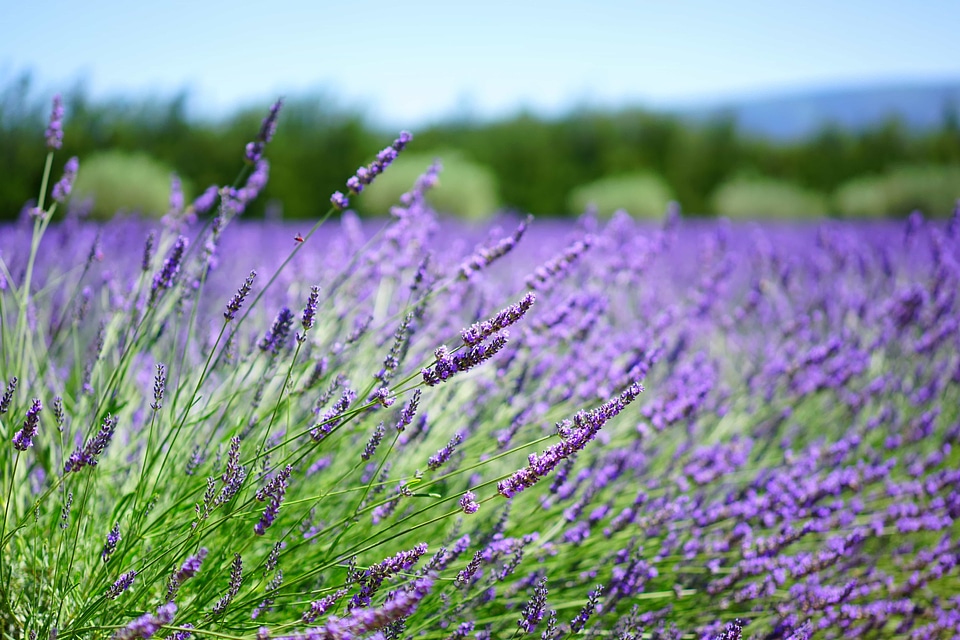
339	201
23	439
309	312
480	331
274	490
585	427
468	503
61	190
384	159
171	268
8	395
189	568
268	127
237	301
122	584
446	365
111	544
275	337
148	624
88	455
54	132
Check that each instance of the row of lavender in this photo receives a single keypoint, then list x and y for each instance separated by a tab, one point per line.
414	429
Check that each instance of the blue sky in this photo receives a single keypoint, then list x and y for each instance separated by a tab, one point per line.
409	62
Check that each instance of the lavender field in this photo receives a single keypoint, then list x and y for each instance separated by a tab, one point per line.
408	427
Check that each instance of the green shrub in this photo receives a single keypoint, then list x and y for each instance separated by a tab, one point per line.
644	195
466	189
757	197
120	181
930	188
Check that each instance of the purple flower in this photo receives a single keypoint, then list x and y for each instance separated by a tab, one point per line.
206	200
339	201
54	133
440	457
371	579
147	624
585	427
332	418
480	331
237	301
274	490
111	544
63	187
310	311
23	439
468	503
8	395
268	127
484	255
373	443
321	606
408	412
159	383
544	275
273	340
167	275
365	175
532	612
236	580
122	584
189	568
148	252
88	454
447	366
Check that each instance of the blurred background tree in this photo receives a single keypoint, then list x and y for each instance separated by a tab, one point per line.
632	159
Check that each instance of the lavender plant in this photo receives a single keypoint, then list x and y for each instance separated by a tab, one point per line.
693	431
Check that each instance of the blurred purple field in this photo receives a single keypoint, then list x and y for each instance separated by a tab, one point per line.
679	430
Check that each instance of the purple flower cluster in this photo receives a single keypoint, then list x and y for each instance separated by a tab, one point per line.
167	276
447	365
63	187
574	437
54	134
365	175
254	150
189	568
111	544
468	503
23	439
371	579
275	337
274	490
480	331
88	455
124	582
148	624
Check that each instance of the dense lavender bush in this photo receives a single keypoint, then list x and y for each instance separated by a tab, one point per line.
416	429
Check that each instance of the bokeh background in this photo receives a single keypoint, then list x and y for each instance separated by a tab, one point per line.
747	109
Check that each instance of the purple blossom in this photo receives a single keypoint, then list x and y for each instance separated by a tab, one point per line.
447	366
8	395
206	200
111	544
310	311
585	427
321	606
339	201
167	275
365	175
438	459
371	579
147	624
274	490
23	439
89	454
236	580
189	568
268	128
533	611
233	307
159	384
121	584
63	187
485	255
373	443
54	133
468	503
274	338
408	412
480	331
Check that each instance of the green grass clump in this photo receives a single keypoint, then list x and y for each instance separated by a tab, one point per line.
754	197
643	195
117	181
929	188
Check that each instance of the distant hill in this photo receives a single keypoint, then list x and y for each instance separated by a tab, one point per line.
795	115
